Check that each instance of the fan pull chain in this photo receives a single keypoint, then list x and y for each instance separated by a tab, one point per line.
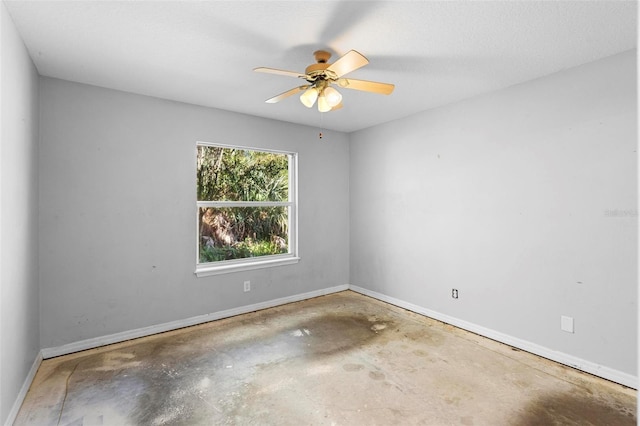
321	125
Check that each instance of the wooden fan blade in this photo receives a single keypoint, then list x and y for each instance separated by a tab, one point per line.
348	62
367	86
286	94
280	72
340	105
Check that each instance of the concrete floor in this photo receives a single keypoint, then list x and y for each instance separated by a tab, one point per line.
342	359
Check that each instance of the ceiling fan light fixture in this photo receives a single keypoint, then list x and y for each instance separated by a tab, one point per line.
309	96
323	105
321	76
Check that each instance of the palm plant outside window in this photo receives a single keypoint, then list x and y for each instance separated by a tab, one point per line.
246	205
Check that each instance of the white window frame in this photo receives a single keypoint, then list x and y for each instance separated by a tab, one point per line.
251	263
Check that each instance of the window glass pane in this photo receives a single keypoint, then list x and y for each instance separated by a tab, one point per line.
230	174
240	232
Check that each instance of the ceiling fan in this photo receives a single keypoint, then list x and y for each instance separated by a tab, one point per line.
322	75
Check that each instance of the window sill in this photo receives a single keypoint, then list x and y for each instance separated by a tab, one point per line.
208	270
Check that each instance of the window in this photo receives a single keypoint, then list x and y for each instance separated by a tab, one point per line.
246	204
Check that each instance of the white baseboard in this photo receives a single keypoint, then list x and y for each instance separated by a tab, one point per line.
174	325
560	357
23	390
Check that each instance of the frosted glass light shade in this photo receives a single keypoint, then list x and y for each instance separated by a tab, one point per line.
323	105
309	96
333	96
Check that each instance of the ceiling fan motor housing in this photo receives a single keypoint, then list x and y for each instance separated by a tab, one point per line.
318	70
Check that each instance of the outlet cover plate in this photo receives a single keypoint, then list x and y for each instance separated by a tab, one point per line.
566	324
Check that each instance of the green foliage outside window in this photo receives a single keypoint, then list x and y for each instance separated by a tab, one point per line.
237	175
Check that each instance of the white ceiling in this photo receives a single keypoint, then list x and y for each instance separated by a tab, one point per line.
203	52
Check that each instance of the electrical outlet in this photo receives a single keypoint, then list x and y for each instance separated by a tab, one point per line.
247	286
454	293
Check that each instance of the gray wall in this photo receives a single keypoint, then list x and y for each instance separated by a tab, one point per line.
19	319
117	222
525	200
